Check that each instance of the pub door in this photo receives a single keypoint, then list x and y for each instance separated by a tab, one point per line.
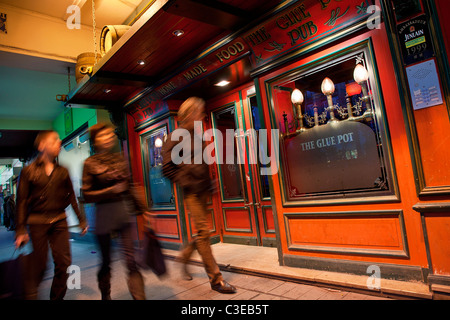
242	201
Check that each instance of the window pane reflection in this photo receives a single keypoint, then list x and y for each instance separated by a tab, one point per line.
159	187
331	144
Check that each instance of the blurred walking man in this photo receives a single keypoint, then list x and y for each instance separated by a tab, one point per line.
44	191
194	178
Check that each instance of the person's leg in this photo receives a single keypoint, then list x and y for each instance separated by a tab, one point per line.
184	257
135	279
60	246
104	274
197	207
37	262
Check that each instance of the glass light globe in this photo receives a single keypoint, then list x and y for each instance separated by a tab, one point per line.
327	87
158	143
297	97
360	74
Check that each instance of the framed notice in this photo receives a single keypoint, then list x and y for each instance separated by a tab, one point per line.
424	85
415	40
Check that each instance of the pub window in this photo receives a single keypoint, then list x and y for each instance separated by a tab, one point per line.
333	144
160	193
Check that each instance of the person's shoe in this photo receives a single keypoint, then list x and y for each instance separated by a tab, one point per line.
106	296
185	273
223	287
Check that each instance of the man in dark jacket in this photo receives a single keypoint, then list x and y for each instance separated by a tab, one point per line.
188	169
44	191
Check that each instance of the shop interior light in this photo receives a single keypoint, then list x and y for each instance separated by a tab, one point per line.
222	83
352	89
360	74
327	87
158	143
178	33
297	97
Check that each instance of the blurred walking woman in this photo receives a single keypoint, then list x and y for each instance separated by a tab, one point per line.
106	182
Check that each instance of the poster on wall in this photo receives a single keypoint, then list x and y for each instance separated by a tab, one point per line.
415	40
424	85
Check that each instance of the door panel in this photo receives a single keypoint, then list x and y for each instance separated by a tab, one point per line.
243	197
259	183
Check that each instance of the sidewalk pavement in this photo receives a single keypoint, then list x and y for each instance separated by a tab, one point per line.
246	272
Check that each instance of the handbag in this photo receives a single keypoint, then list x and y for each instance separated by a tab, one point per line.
151	256
13	274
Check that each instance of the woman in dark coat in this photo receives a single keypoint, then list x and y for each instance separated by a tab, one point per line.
107	183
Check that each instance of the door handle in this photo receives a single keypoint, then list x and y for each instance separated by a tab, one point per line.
246	205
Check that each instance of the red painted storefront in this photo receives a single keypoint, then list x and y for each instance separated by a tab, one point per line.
348	193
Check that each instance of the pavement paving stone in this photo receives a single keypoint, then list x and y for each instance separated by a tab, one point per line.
173	286
297	291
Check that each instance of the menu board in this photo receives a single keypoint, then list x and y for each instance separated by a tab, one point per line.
424	85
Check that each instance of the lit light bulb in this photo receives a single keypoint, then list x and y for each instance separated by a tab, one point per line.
360	74
158	143
327	87
297	97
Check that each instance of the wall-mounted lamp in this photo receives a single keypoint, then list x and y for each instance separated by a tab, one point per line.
158	142
328	88
361	76
297	99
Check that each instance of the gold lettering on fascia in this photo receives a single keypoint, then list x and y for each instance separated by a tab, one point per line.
259	36
293	17
324	3
167	88
194	72
230	51
296	16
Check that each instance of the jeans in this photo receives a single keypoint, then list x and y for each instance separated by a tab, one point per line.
57	235
197	206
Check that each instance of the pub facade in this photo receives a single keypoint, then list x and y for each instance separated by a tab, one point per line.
339	113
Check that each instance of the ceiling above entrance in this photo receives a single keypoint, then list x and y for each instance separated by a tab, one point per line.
169	35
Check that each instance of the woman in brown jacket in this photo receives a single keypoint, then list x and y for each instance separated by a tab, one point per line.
107	183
